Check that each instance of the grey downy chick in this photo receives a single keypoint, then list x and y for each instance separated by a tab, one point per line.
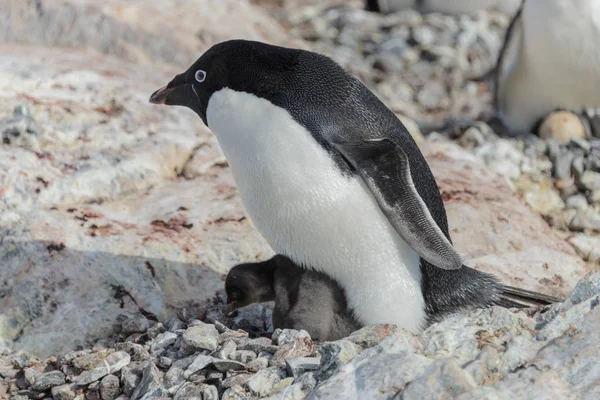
304	299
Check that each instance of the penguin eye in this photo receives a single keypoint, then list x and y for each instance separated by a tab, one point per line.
200	75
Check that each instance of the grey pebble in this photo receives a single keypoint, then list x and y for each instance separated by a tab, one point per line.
264	381
134	323
151	378
109	387
201	336
243	356
258	364
63	392
297	366
49	379
112	363
164	362
131	375
174	376
163	341
173	324
289	336
226	365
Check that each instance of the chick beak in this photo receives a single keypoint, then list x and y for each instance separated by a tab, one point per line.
230	308
160	96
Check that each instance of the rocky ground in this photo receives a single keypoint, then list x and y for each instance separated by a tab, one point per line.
116	215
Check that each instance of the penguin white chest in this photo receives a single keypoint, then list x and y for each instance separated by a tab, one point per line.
307	209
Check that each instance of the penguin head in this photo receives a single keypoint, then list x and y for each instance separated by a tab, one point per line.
241	65
248	284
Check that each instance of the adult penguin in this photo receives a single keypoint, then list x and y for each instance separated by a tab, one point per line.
333	180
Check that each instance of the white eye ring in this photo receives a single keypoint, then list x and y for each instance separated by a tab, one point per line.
200	75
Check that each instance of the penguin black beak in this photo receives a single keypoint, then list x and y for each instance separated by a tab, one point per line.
160	96
231	307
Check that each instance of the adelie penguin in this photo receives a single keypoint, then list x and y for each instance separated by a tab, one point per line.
550	61
442	6
333	180
304	299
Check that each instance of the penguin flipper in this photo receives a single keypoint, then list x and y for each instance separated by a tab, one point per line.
384	167
507	58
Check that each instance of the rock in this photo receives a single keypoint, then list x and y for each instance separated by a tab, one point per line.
263	383
164	362
334	355
577	202
297	366
494	232
237	379
540	195
462	338
289	336
63	392
174	377
590	180
188	391
565	320
236	393
199	364
301	347
562	126
134	323
372	335
243	356
573	356
586	246
155	330
376	373
45	381
81	208
131	375
111	364
484	368
227	350
203	337
258	364
30	374
258	345
442	379
8	372
562	165
93	391
585	221
209	392
227	365
173	324
150	381
163	341
109	387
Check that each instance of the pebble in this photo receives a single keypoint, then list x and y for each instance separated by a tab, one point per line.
227	365
297	366
163	340
111	364
442	379
63	392
151	378
281	337
109	387
585	221
45	381
202	336
562	126
174	376
199	364
236	393
257	345
578	202
258	364
134	323
264	381
131	376
301	347
173	324
590	180
243	356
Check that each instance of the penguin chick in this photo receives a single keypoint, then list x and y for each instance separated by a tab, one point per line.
304	299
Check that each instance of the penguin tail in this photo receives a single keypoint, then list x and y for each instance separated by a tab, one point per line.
512	297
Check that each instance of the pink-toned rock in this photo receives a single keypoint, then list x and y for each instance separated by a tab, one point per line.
171	31
96	217
495	231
